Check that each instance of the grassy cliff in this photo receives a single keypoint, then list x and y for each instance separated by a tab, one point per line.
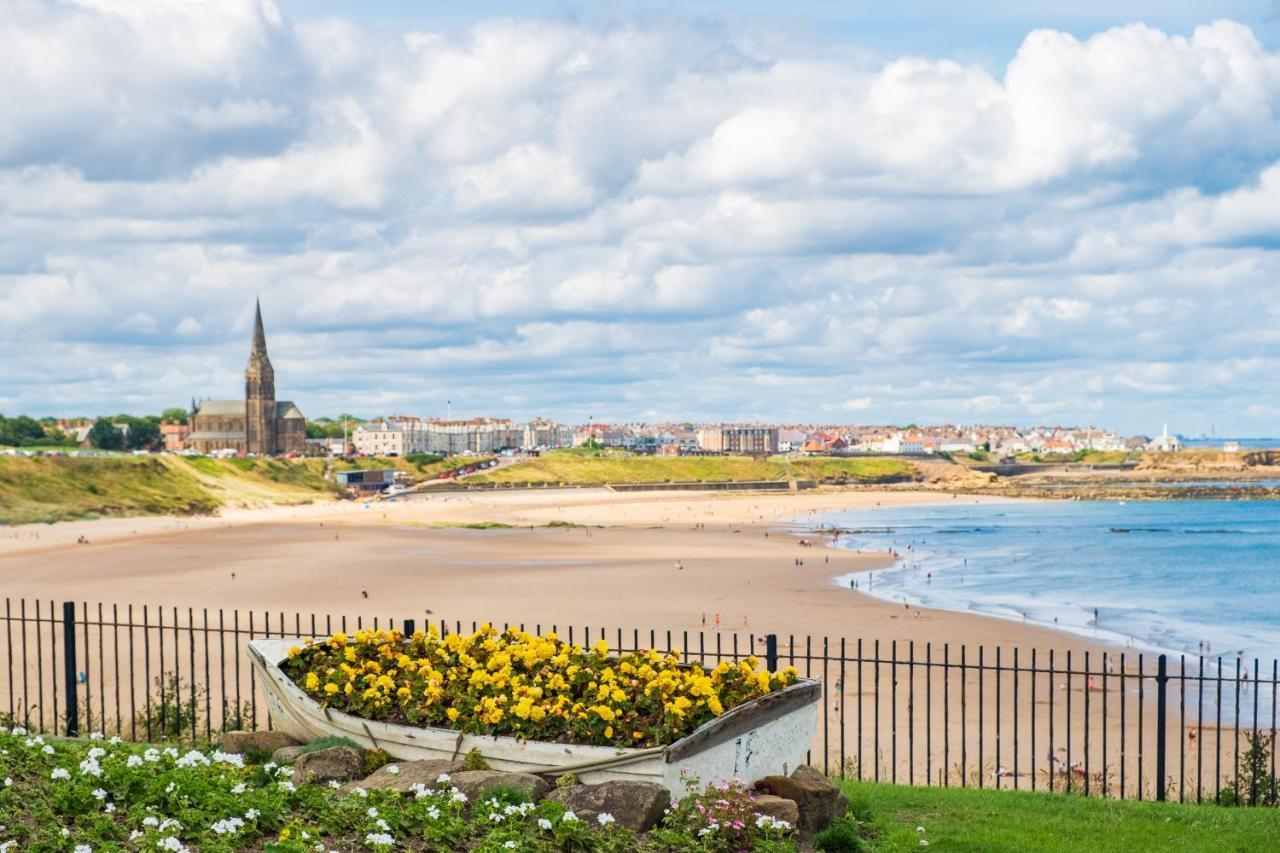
42	489
579	467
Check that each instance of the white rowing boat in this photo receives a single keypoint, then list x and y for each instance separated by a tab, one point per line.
764	737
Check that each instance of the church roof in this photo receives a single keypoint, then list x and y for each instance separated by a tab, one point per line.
284	408
220	407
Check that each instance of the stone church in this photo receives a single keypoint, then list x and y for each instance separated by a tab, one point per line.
259	423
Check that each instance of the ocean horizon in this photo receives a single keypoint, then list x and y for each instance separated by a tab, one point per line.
1182	577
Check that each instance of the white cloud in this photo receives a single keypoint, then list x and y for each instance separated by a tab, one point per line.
641	217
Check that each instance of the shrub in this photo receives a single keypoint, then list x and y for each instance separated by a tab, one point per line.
328	742
840	837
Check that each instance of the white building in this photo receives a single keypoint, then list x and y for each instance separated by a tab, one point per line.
540	432
390	438
1165	443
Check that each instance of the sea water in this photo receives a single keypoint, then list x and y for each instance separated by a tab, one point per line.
1173	576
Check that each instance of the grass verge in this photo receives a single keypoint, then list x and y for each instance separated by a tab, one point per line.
1009	821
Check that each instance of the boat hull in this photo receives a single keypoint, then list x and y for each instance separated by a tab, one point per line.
764	737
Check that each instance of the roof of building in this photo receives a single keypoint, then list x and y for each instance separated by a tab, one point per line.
220	407
284	408
210	435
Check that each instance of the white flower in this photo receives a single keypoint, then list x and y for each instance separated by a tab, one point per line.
269	766
382	824
361	792
393	770
372	812
170	788
95	735
18	730
252	814
151	755
97	752
169	823
221	757
443	777
510	845
60	773
239	788
194	758
379	839
604	818
135	835
171	752
99	794
433	812
83	848
151	820
924	843
115	740
90	767
227	826
46	749
568	817
286	785
919	829
544	824
133	761
8	783
334	784
458	797
171	843
109	808
66	833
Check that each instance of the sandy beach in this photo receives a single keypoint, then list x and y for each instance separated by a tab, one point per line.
617	570
627	563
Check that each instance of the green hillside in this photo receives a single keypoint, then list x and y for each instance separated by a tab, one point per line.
44	489
583	467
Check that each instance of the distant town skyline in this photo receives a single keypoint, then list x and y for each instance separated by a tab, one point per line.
711	212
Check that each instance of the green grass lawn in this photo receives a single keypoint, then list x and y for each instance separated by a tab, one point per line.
1008	821
578	467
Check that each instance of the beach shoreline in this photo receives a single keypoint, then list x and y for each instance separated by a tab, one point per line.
645	560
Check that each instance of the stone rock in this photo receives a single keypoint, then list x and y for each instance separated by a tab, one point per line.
777	808
287	754
819	801
406	775
636	805
474	783
238	743
338	763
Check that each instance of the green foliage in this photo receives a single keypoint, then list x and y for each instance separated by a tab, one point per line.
375	758
1254	784
841	837
474	761
176	414
105	436
120	796
23	431
567	780
328	742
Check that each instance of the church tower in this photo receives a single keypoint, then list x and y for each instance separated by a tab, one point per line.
259	394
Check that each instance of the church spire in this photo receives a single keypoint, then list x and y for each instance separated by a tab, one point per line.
259	335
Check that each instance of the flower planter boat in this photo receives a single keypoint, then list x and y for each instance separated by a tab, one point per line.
766	736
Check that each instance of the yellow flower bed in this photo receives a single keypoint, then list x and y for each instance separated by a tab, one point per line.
518	684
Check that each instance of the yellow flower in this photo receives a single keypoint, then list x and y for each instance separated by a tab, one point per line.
313	681
331	688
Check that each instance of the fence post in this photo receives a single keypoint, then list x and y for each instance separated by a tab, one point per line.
771	652
69	668
409	625
1162	679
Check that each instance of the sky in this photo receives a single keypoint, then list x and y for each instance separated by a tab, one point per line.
851	212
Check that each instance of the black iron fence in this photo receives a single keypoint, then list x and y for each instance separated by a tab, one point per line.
1118	724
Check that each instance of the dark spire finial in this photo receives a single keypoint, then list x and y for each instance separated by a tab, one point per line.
259	336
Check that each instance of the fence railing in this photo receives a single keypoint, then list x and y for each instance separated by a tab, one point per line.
1115	724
